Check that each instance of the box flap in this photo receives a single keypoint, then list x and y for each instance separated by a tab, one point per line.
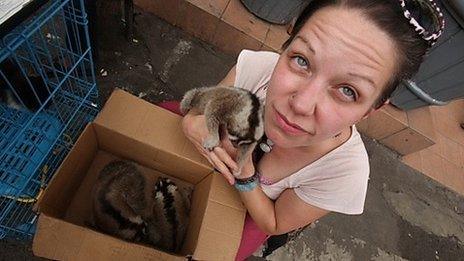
222	221
149	124
196	216
85	244
61	189
149	156
225	194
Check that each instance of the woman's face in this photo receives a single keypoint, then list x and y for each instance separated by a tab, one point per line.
328	78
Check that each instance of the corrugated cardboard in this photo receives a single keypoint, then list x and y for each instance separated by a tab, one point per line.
131	128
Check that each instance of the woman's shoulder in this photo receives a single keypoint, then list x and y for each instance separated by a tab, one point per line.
339	181
354	147
347	164
258	56
351	156
254	69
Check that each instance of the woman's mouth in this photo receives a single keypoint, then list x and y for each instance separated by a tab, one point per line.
287	126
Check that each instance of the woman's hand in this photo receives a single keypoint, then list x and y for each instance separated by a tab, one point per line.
226	153
221	157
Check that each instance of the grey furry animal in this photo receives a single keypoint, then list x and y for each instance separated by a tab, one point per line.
237	110
119	201
167	227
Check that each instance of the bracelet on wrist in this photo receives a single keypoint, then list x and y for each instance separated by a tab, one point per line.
247	180
246	187
247	184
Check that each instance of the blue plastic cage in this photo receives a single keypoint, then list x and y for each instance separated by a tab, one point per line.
48	95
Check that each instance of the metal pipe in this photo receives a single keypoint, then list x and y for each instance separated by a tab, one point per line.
412	86
456	8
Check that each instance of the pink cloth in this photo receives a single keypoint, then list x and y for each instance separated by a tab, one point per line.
252	236
172	106
252	239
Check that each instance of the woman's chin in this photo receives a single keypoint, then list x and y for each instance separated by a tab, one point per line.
284	141
280	140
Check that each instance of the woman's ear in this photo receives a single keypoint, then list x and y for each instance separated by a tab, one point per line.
372	110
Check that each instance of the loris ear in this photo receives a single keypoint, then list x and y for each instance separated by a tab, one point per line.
372	110
290	26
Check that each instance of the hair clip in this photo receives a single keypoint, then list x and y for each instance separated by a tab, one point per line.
434	13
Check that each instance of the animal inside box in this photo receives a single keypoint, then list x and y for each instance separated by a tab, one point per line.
135	203
129	205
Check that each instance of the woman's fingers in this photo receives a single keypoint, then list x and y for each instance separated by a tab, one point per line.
221	161
224	156
221	167
202	150
195	129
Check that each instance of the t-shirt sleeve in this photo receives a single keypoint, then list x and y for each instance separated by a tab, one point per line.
345	190
254	69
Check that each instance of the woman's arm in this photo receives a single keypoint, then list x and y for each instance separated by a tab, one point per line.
287	213
229	80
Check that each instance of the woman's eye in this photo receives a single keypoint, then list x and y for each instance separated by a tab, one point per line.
301	61
348	92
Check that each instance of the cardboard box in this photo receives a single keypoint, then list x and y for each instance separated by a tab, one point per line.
131	128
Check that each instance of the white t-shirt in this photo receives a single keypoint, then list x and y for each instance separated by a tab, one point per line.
338	180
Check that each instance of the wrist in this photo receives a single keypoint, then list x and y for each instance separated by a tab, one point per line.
246	187
247	184
248	171
243	180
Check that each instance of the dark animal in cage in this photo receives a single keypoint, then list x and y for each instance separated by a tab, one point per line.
20	88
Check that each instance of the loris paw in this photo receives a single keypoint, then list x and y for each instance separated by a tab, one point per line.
210	143
237	173
137	220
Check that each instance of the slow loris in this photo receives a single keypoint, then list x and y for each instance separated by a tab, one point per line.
237	110
167	227
133	207
119	200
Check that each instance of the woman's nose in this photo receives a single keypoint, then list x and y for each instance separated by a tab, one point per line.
305	100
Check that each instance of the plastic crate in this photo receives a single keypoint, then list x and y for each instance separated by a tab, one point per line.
19	164
46	66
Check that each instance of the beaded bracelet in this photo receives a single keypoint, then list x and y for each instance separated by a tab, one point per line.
247	180
247	184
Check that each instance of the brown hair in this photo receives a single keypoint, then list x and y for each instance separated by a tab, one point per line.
388	16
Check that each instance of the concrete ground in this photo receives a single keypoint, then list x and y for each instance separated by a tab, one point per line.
407	215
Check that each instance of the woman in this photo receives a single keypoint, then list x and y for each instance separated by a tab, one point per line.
341	63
